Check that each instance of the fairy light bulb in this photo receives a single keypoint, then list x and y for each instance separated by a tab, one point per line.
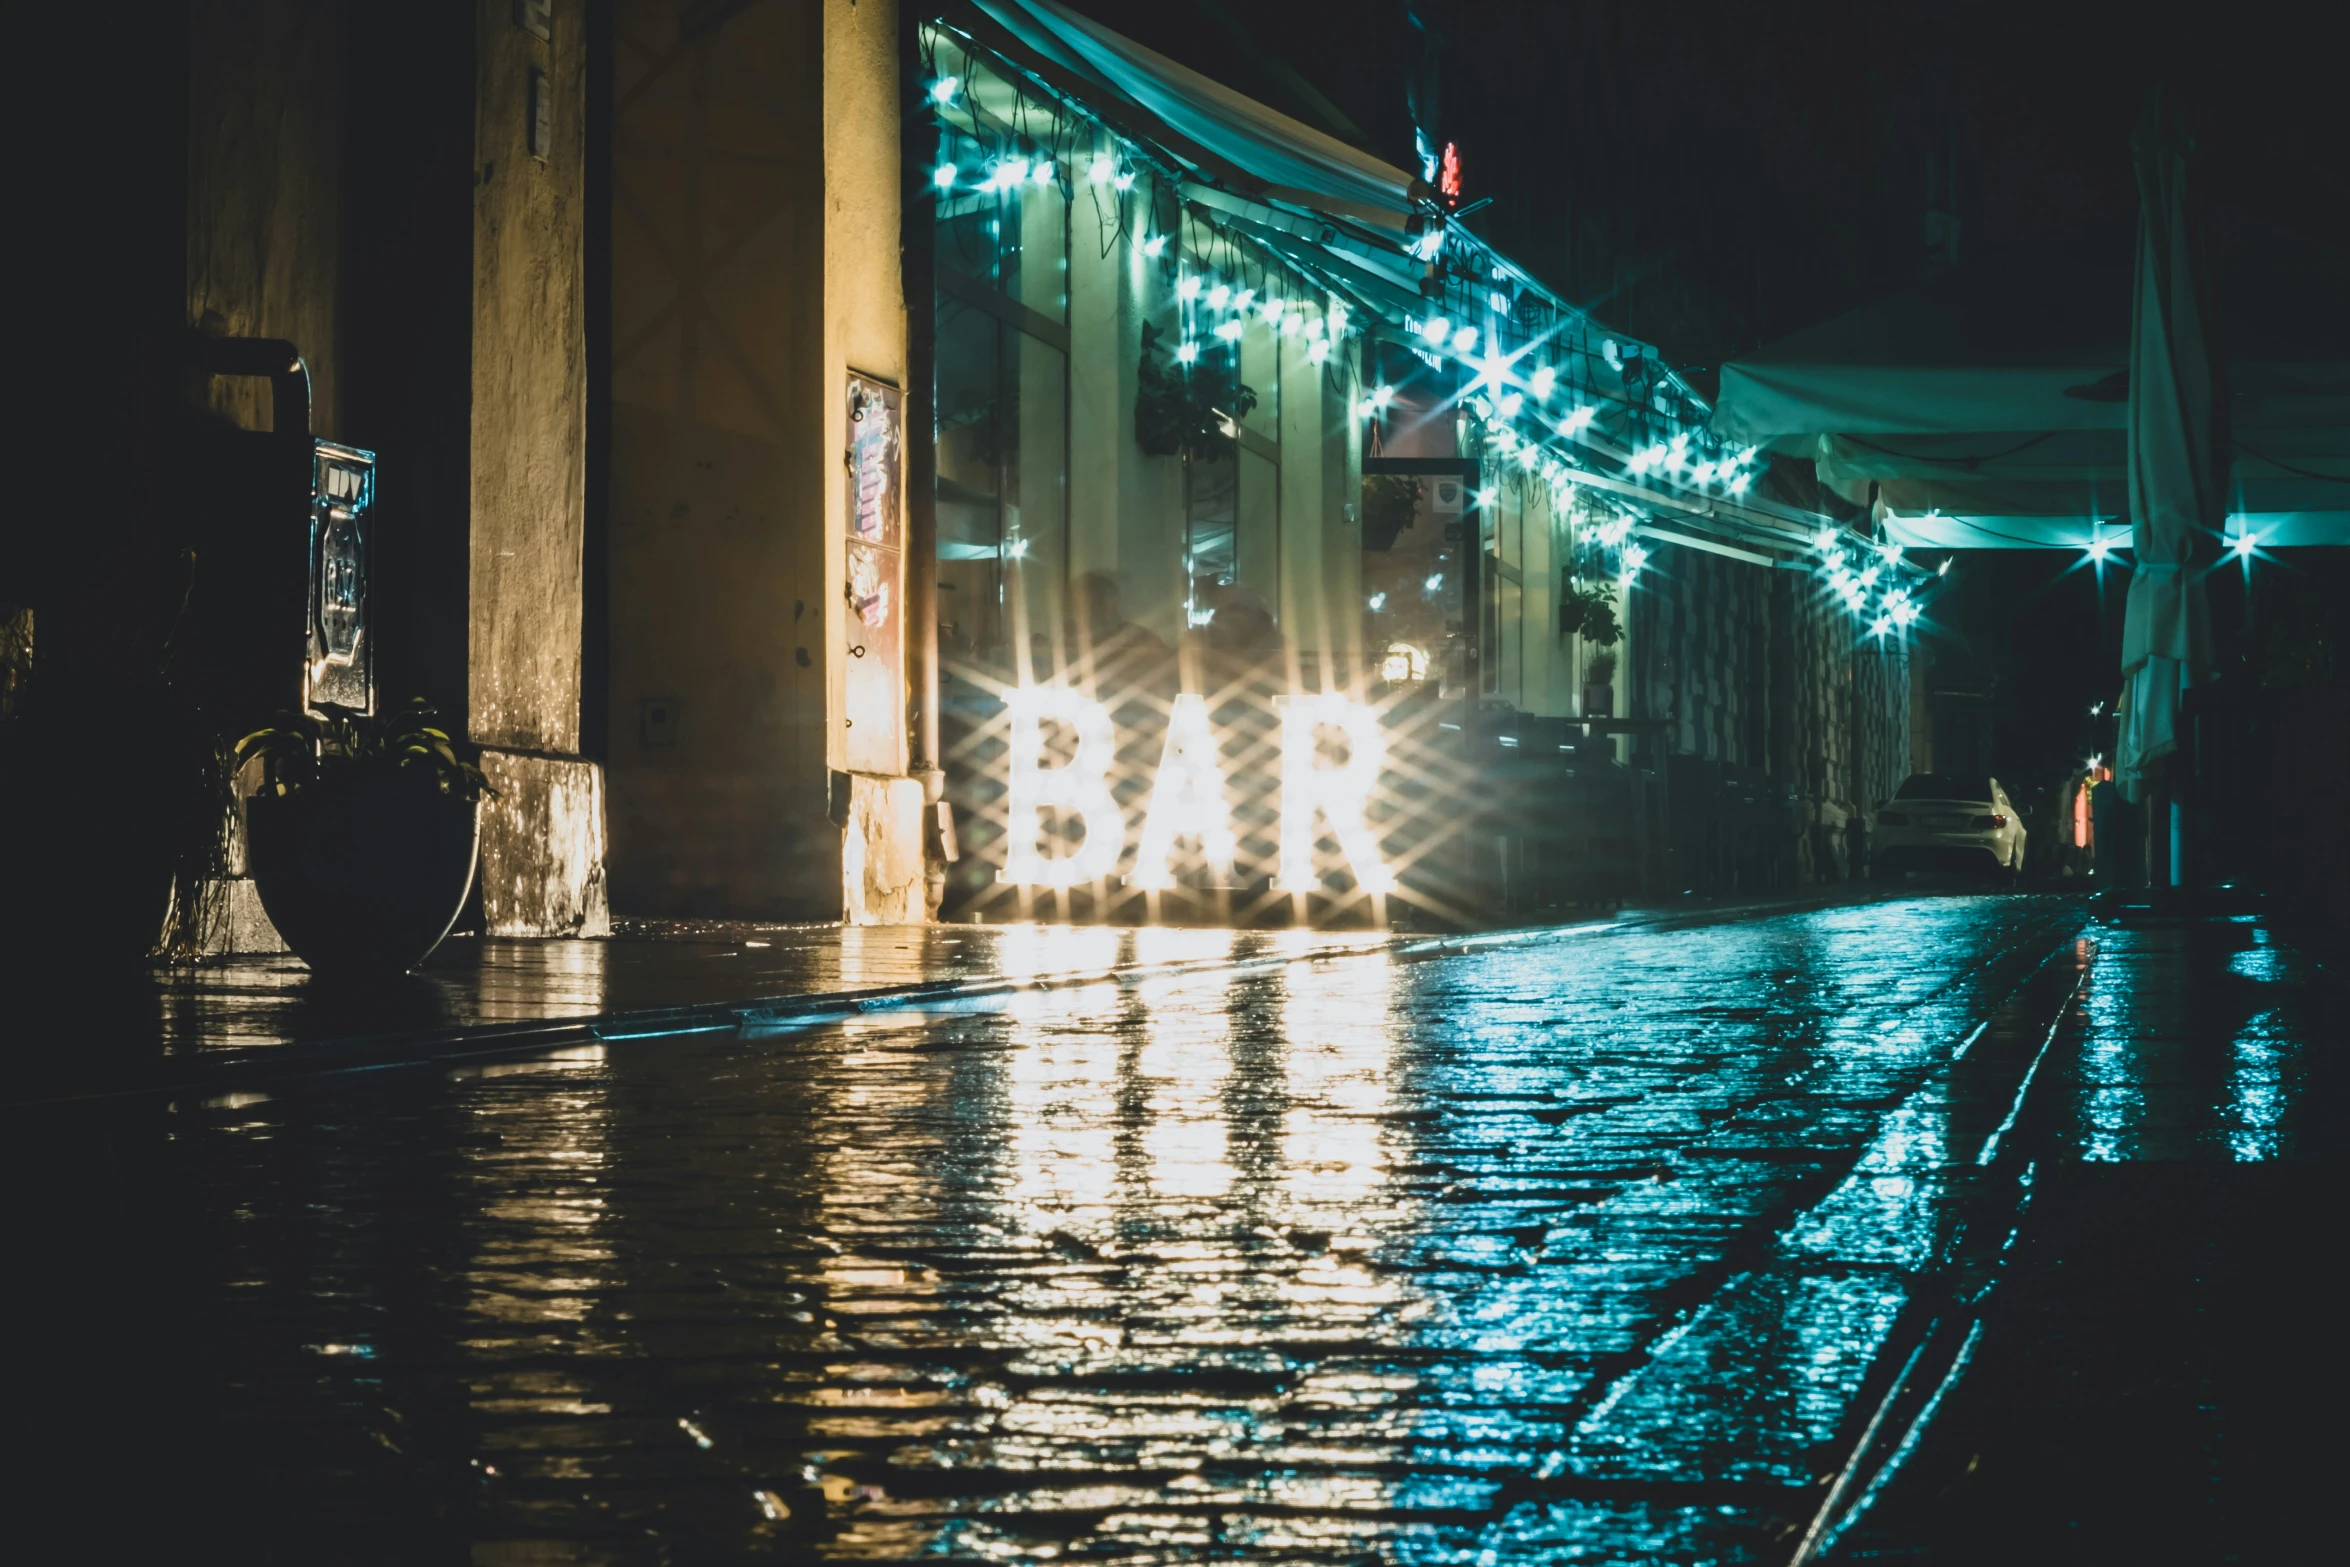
1542	381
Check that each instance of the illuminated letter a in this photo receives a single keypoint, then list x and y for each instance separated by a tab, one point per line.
1187	800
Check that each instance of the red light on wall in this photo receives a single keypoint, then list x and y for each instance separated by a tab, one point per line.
2081	816
1448	176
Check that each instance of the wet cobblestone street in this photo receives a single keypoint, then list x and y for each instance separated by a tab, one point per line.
1593	1247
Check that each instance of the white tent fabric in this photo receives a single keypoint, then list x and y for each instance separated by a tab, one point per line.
2269	530
2178	452
1999	393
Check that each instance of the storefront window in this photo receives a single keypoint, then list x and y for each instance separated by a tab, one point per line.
1002	378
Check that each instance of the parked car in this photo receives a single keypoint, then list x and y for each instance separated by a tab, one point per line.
1950	821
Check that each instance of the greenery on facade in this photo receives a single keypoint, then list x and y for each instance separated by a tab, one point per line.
1181	408
1391	503
1589	610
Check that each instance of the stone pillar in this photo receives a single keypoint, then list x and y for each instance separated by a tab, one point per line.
865	332
542	856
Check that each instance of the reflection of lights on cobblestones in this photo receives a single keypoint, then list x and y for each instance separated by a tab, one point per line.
1081	788
1187	800
1338	793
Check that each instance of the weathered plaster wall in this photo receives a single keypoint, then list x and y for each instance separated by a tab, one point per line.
265	196
529	387
542	848
755	263
881	853
717	770
542	869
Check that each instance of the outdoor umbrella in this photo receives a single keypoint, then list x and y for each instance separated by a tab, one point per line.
2178	452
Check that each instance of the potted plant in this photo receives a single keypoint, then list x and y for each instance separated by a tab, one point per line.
1599	678
362	837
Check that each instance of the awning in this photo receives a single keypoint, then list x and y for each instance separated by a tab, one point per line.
1344	220
1291	158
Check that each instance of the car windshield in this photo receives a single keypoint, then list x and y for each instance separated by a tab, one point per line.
1945	786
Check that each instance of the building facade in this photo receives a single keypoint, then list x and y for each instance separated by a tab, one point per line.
797	424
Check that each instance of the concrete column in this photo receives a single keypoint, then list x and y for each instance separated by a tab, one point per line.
542	861
864	332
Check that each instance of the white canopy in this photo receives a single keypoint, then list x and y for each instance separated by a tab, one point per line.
1989	407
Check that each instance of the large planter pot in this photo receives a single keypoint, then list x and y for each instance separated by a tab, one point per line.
363	875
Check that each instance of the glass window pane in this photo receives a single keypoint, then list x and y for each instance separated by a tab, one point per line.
1257	525
971	431
1209	516
968	219
1411	569
1036	249
1036	490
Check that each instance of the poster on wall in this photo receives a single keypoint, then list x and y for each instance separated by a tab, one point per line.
872	625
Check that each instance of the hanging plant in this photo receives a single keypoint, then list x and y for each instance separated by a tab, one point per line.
1590	610
1181	408
1391	502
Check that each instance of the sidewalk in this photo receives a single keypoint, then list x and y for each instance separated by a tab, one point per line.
164	1028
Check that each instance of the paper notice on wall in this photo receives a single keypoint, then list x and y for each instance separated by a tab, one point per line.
871	648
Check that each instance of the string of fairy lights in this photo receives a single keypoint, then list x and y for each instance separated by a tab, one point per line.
1533	394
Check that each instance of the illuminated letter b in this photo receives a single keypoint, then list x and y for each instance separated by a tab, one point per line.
1080	788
